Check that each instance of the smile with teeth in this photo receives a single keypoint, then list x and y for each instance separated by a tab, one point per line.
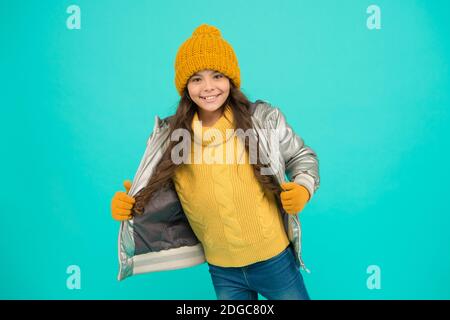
210	98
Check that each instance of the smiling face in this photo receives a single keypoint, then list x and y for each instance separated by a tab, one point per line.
209	89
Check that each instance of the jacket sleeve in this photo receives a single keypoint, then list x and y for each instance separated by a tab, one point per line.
301	162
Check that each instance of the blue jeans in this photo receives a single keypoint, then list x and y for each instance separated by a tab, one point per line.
277	278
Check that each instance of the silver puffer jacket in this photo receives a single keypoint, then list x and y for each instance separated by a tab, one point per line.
162	239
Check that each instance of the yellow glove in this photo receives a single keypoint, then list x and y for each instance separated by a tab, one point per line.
122	203
294	197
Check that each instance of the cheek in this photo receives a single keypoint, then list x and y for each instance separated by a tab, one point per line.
192	90
222	87
225	96
225	86
226	91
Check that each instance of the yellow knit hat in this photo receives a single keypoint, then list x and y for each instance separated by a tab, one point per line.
205	49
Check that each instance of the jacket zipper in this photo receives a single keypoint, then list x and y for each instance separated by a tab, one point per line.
302	264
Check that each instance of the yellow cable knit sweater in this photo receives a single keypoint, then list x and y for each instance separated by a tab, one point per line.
235	220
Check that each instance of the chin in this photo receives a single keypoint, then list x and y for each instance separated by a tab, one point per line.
213	107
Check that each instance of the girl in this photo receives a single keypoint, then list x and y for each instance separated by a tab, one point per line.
206	197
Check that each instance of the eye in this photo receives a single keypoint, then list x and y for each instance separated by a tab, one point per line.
195	79
219	75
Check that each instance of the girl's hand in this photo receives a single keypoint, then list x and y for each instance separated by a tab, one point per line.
122	203
294	197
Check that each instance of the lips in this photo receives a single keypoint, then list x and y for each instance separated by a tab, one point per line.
210	98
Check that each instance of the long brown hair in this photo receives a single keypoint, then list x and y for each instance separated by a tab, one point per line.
165	169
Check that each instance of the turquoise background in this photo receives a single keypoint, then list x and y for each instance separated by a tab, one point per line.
78	106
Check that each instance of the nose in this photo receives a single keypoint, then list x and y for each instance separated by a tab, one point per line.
208	85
